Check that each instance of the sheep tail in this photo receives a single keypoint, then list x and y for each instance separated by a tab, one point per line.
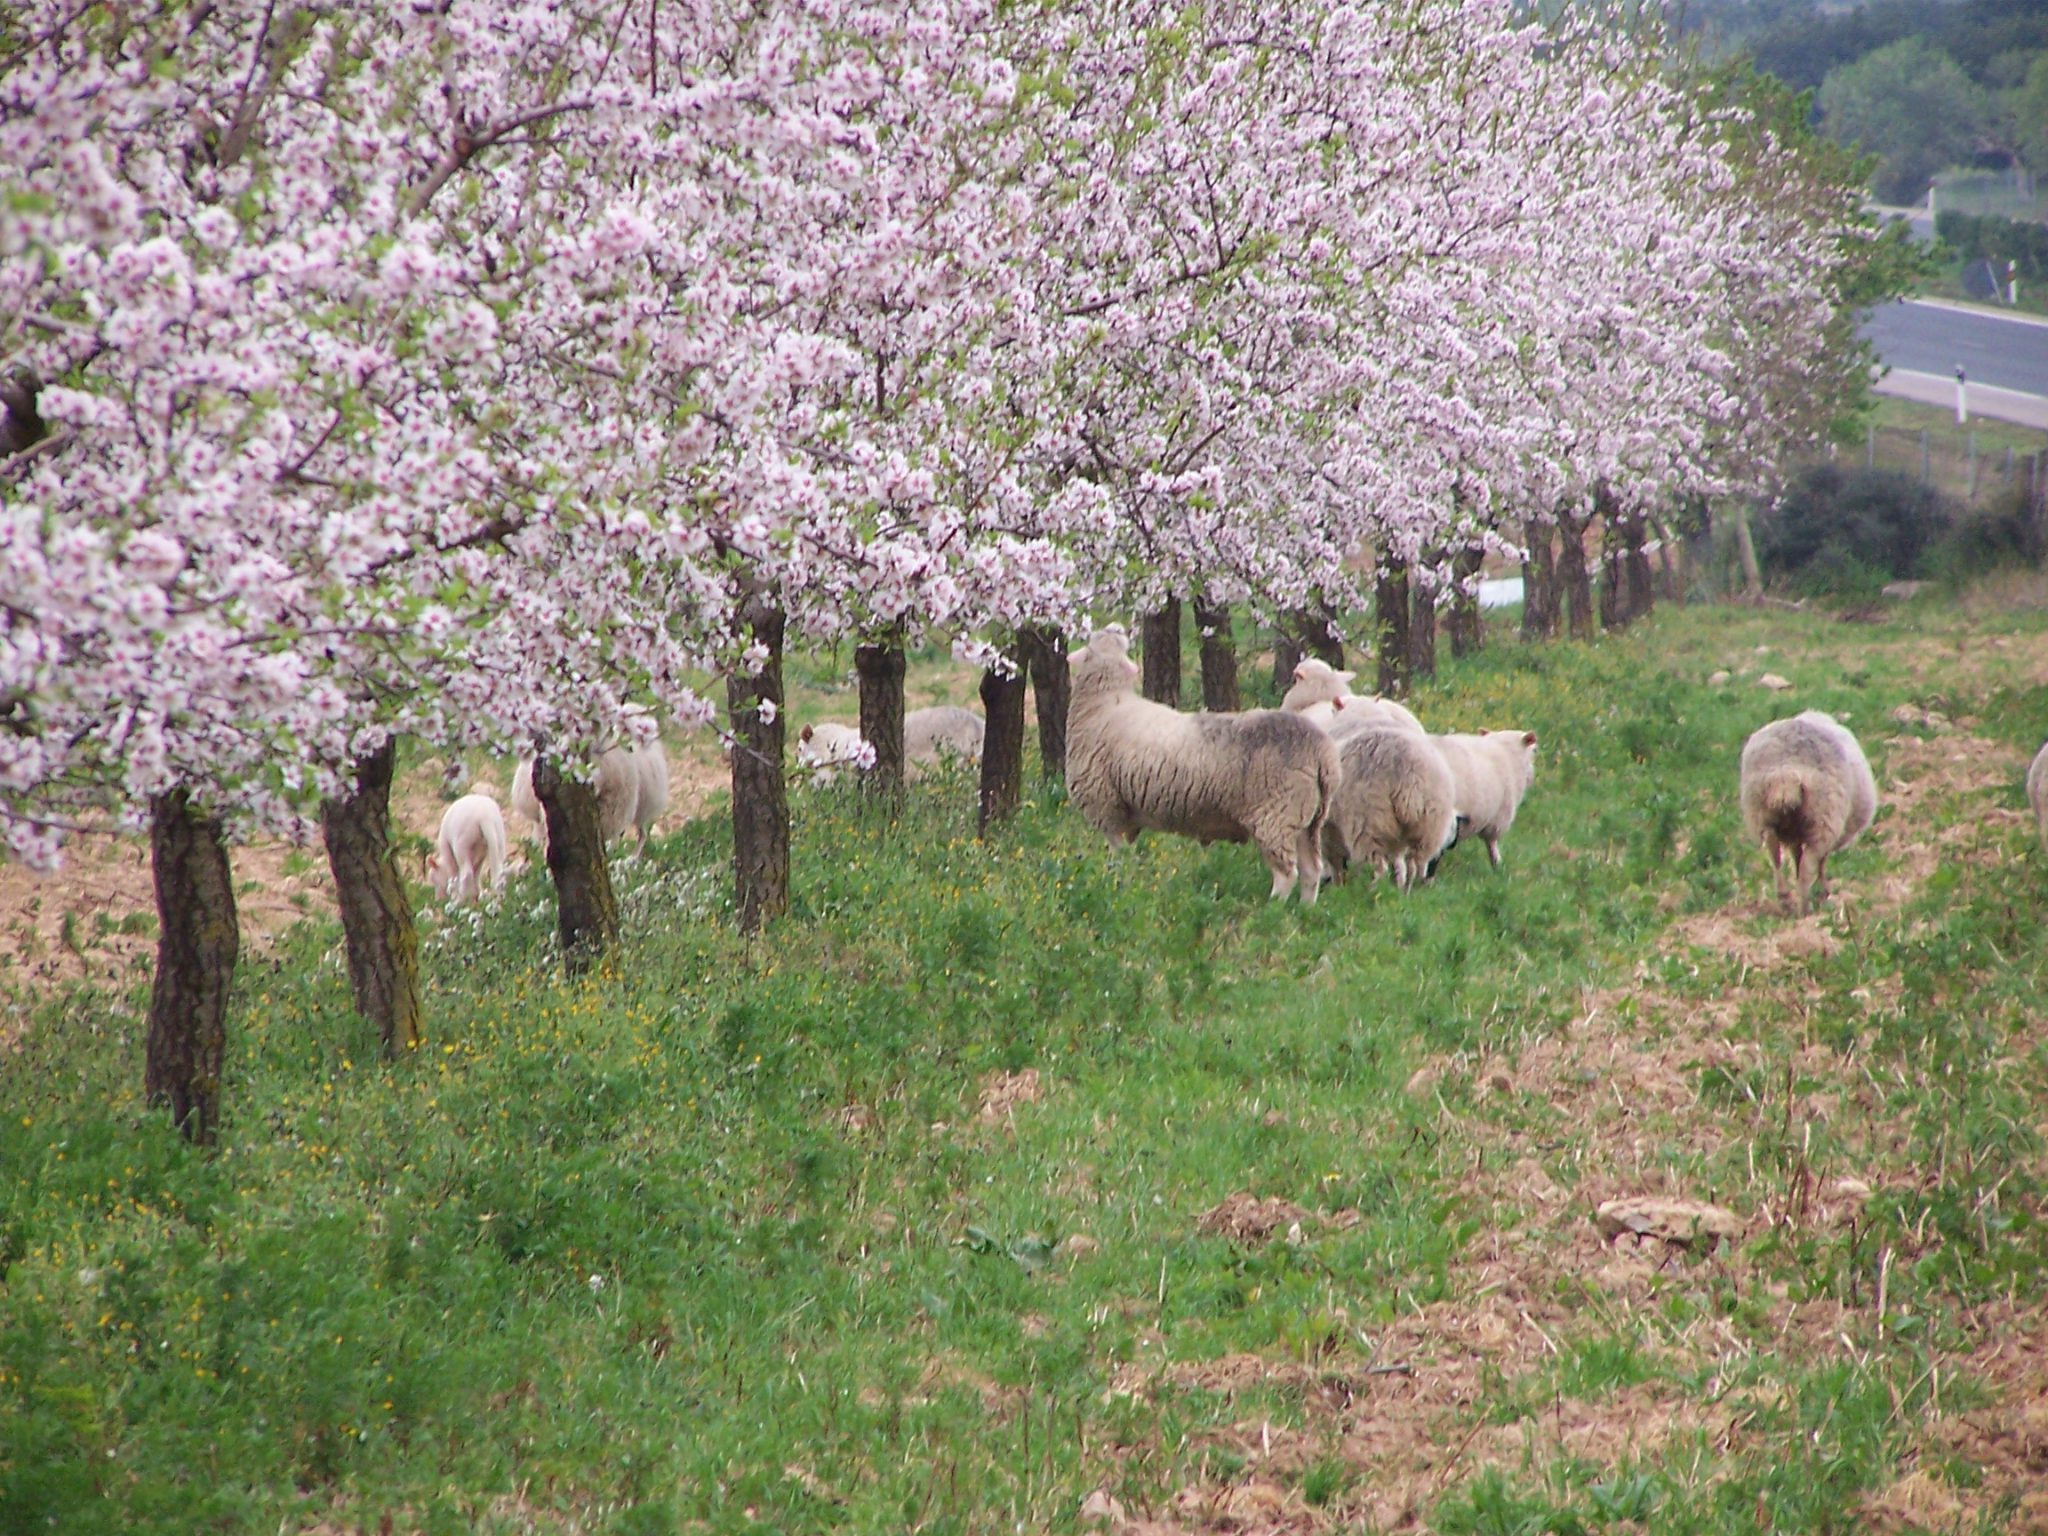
1784	803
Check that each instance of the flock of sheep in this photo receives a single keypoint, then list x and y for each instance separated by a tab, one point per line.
1326	781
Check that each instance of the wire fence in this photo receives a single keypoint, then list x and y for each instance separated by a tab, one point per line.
1960	464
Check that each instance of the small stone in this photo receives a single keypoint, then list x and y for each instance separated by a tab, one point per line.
1718	679
1679	1222
1775	683
1100	1509
1077	1245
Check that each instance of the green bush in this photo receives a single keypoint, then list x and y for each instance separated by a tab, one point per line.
1847	532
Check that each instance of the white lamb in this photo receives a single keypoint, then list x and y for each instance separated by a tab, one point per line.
1322	695
1264	775
1492	771
2037	792
1806	786
825	748
943	731
632	791
469	856
1396	806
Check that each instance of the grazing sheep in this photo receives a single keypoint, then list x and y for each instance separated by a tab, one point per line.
2037	792
1396	806
930	736
1806	786
1322	695
470	851
825	748
1264	775
1492	771
632	790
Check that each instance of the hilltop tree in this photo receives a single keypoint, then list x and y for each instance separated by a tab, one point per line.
1911	106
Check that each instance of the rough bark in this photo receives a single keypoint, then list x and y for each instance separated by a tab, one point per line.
1390	603
1539	581
1745	550
760	805
1642	576
1159	637
376	917
586	908
1320	639
1287	654
21	423
1044	653
1466	624
1219	657
880	668
1422	632
1002	746
1574	578
197	943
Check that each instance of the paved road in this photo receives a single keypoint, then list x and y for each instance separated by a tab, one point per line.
1922	337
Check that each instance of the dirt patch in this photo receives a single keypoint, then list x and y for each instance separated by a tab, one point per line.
1244	1218
1003	1092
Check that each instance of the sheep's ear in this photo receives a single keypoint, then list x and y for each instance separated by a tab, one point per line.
804	734
1134	669
1299	668
1336	703
1480	732
1529	739
1345	677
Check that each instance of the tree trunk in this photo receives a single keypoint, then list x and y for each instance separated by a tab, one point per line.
1219	657
376	918
1002	746
1745	549
1539	582
1390	603
197	942
1045	654
1671	562
1613	597
1642	576
1466	624
1320	638
880	668
1574	580
1159	635
1287	654
586	909
1422	629
760	804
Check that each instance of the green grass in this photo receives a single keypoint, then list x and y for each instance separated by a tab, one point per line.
720	1240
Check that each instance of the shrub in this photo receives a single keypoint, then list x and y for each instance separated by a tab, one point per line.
1847	532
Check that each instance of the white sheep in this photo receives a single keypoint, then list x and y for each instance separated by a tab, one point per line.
1806	786
933	735
1491	772
632	791
2037	792
1322	695
469	856
828	746
1396	806
1132	765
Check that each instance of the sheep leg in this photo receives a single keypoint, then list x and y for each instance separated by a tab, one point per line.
1277	849
1308	862
1775	852
1802	879
1492	841
1821	889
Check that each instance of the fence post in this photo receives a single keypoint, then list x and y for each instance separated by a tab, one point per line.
1870	445
1925	476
